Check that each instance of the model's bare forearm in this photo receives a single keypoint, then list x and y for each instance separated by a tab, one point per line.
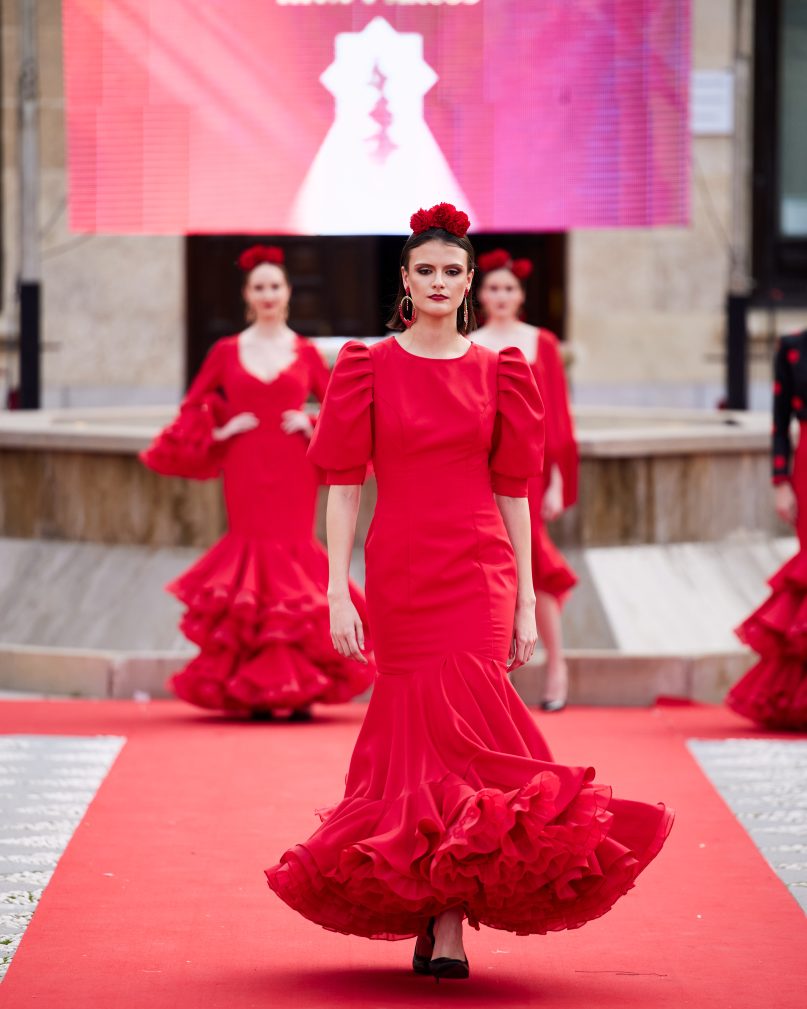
515	512
341	516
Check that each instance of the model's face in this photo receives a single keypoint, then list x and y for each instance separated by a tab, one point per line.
501	295
267	293
437	278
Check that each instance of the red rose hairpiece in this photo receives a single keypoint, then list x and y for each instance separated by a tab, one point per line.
500	259
442	215
255	255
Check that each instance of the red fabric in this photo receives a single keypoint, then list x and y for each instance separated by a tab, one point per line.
551	572
452	796
256	602
773	692
561	444
186	448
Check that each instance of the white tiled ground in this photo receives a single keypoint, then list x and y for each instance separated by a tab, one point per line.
764	783
46	785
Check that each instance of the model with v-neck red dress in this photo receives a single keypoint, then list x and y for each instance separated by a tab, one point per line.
256	602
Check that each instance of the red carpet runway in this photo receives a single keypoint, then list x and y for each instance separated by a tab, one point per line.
160	900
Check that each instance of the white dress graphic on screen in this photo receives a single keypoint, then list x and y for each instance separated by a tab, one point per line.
379	161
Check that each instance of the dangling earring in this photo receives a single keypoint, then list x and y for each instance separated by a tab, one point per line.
465	313
412	311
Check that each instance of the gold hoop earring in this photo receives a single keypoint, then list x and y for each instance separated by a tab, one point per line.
411	309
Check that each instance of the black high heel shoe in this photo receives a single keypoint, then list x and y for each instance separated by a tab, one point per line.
449	968
420	964
553	706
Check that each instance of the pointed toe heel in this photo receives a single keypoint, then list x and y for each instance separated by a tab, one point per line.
449	969
420	964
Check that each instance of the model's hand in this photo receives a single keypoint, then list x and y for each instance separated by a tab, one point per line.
347	632
552	503
297	421
236	425
525	635
784	499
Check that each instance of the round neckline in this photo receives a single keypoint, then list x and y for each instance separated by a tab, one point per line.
421	357
276	376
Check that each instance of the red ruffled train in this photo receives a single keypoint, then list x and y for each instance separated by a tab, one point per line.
259	613
519	842
773	693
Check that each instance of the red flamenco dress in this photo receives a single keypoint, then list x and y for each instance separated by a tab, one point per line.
551	572
256	603
452	797
773	693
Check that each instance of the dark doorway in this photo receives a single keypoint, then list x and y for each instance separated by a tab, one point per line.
343	286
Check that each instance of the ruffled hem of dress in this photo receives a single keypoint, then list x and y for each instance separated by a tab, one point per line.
779	625
259	613
281	677
773	693
511	860
453	800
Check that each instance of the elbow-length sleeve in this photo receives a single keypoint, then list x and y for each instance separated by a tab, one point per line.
186	447
561	444
782	411
517	453
342	443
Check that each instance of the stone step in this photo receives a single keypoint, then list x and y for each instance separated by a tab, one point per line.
598	678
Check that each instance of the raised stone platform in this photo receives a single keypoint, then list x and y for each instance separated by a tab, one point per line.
92	620
647	476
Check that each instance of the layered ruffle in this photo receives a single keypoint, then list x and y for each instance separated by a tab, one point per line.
258	611
455	801
186	448
774	692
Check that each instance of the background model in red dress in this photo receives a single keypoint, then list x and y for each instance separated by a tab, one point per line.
256	602
502	294
452	798
774	691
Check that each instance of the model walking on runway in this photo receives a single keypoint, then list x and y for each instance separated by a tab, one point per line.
453	806
501	295
256	603
774	692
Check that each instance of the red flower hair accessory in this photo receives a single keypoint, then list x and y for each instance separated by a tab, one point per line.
255	255
500	259
442	215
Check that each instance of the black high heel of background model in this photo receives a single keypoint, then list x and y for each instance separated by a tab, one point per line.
420	964
553	706
450	969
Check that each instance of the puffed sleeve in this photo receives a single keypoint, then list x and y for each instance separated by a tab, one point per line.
186	448
561	444
342	443
517	453
782	412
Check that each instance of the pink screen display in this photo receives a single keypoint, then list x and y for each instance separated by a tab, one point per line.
342	117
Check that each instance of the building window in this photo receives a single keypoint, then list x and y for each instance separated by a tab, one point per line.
780	152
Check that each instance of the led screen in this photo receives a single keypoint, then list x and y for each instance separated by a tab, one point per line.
344	116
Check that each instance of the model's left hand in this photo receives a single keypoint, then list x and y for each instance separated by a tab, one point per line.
552	503
297	422
525	635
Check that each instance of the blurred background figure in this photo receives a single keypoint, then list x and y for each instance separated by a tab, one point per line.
773	693
256	602
502	295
